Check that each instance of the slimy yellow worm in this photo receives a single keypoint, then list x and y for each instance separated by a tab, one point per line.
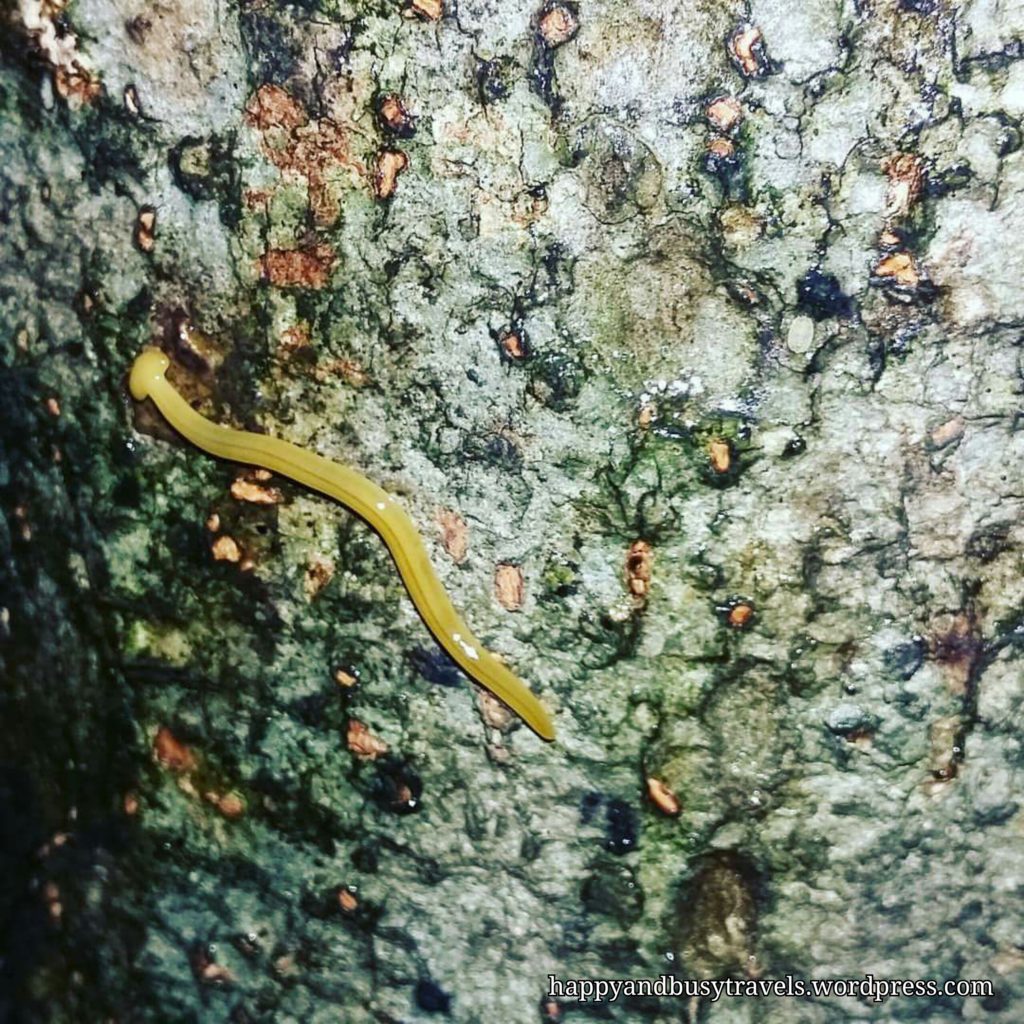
367	500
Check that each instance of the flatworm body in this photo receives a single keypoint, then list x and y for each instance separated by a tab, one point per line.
368	501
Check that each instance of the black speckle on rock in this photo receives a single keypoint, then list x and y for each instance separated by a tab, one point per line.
366	858
555	380
612	890
821	296
431	997
494	79
589	803
435	666
622	827
794	447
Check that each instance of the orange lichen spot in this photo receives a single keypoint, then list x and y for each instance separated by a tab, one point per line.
225	549
513	345
171	752
346	678
76	85
509	586
888	239
207	970
298	268
426	10
662	797
724	113
390	163
145	229
721	148
747	48
347	901
557	24
319	573
245	488
647	415
740	615
906	182
899	268
393	115
495	715
213	522
295	340
948	432
720	455
362	742
639	561
229	805
454	534
130	804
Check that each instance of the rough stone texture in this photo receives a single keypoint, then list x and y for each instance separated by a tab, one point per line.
557	309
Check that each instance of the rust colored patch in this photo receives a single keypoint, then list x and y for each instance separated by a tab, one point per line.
171	752
513	345
663	798
906	183
426	10
76	85
740	615
295	340
362	742
747	49
948	432
347	902
454	534
319	573
390	163
899	268
346	678
207	970
313	149
724	113
298	268
720	455
956	645
230	805
145	229
394	117
225	549
557	24
272	107
639	561
243	488
509	586
721	148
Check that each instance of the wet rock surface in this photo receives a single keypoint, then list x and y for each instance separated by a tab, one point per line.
689	335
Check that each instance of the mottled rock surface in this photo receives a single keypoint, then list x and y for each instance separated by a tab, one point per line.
690	335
